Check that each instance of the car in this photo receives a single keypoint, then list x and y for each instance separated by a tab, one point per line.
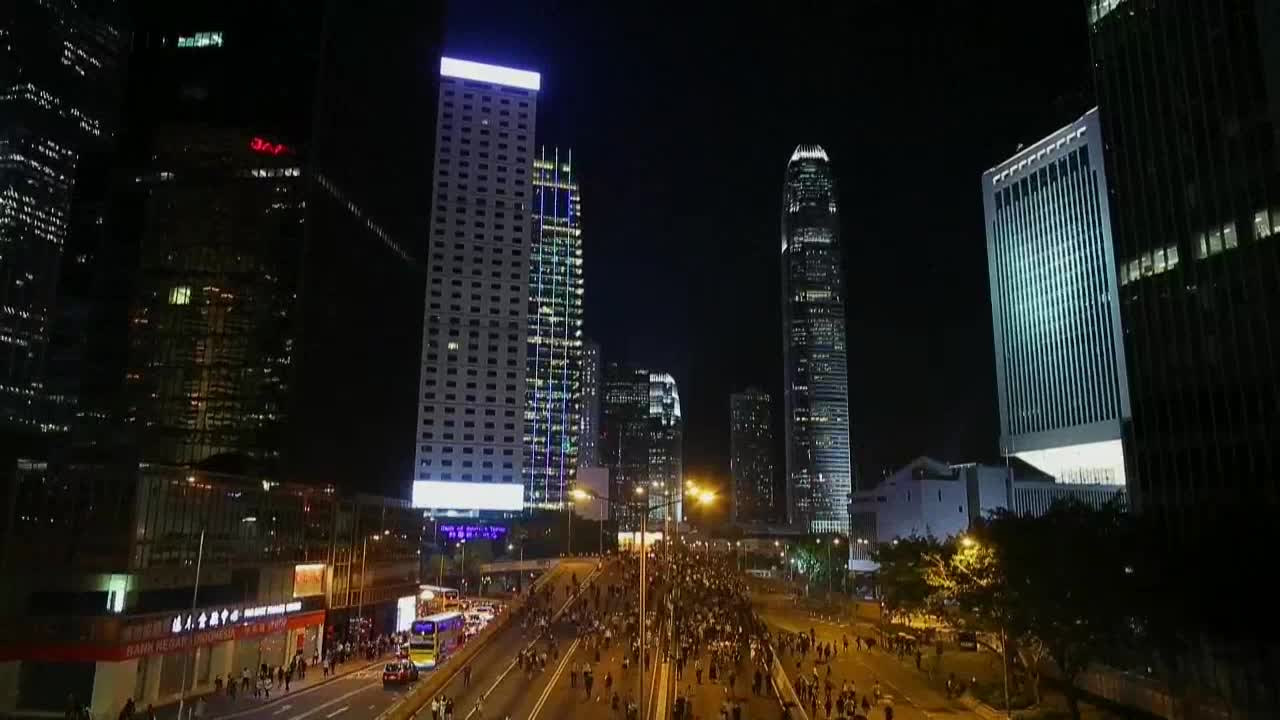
966	640
398	673
488	611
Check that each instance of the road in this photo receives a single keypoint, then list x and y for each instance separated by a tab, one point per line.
912	699
359	695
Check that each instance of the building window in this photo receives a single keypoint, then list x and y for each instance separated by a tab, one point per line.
180	295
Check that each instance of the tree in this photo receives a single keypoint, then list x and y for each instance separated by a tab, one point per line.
901	576
1065	584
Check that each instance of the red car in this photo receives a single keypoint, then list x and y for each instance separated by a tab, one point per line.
399	673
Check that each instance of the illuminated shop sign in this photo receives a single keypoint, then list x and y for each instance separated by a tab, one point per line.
266	147
206	619
473	532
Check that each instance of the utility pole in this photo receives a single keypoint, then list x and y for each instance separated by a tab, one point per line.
195	595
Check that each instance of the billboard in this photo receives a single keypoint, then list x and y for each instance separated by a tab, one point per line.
447	495
308	580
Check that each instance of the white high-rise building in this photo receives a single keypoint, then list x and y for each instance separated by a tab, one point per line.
471	417
1060	363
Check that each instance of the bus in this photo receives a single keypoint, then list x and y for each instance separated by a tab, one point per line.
432	638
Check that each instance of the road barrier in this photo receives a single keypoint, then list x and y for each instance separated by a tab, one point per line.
783	690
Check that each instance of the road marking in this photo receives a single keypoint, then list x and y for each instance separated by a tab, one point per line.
546	692
338	712
503	676
372	707
282	709
334	701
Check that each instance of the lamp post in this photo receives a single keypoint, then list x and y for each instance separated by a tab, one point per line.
463	570
703	497
195	595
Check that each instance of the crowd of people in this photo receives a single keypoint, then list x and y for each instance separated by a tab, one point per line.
825	694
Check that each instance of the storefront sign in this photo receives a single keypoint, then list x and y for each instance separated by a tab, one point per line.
308	580
208	619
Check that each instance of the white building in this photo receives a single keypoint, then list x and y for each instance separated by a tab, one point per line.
1060	363
930	498
471	418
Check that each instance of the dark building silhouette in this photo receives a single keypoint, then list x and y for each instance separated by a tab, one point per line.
751	456
1189	95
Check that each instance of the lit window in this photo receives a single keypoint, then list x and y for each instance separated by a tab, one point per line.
180	295
200	40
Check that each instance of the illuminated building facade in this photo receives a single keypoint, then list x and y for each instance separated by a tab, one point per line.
815	356
552	415
641	441
213	326
751	456
1060	362
58	89
471	429
589	388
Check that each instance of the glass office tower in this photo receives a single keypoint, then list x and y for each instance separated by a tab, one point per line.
553	394
1189	94
816	384
470	440
1060	364
59	90
751	456
642	442
1190	101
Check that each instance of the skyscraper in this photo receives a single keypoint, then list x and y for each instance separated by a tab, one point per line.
642	440
274	251
1060	362
751	456
589	386
1190	104
1189	94
470	437
816	384
59	87
553	395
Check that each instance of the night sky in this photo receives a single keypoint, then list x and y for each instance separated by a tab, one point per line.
682	117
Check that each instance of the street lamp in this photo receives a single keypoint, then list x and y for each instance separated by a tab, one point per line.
704	497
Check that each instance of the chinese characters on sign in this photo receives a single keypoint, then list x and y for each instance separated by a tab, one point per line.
207	619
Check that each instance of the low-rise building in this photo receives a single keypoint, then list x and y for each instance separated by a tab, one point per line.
131	583
931	498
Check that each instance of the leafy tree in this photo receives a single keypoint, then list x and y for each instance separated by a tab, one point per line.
904	588
1065	585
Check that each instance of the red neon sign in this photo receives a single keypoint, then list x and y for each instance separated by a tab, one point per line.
266	147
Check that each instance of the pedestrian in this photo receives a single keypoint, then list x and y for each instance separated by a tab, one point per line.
244	678
448	708
573	676
435	708
466	676
587	681
697	669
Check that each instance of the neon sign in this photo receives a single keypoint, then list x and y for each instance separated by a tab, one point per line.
266	147
473	532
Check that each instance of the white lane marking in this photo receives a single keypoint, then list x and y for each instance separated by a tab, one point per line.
338	712
565	606
282	709
546	692
334	701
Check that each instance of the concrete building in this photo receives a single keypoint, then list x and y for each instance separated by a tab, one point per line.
1061	378
930	498
589	385
642	439
471	426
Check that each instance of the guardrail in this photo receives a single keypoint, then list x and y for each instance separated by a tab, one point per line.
784	690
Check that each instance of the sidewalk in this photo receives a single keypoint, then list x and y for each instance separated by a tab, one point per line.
219	705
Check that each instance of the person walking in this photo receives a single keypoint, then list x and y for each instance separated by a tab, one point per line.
435	708
573	675
466	676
